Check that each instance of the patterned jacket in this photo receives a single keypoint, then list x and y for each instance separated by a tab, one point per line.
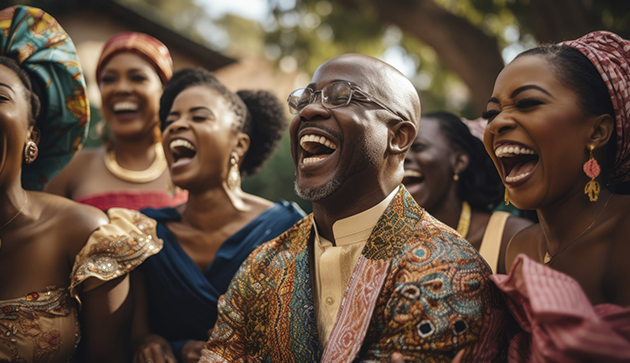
418	289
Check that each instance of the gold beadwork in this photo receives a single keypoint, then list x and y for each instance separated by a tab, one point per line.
464	220
138	176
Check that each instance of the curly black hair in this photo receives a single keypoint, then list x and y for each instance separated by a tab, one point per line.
479	184
30	94
259	114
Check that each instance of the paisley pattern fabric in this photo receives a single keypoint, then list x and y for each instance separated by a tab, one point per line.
610	54
418	289
44	326
40	45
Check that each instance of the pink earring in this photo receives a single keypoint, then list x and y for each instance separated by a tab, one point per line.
592	169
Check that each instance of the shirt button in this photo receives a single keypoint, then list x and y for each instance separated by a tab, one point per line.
330	300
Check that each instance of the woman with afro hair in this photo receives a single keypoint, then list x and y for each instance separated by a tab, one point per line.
211	137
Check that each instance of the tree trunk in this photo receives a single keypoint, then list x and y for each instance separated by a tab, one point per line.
466	49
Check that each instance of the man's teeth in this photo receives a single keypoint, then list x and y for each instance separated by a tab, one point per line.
313	159
511	150
413	173
317	139
512	179
125	106
182	143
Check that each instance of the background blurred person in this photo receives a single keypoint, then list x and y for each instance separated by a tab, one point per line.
212	137
130	170
567	109
45	239
449	173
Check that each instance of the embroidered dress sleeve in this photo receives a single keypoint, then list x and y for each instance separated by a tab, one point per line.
114	249
558	321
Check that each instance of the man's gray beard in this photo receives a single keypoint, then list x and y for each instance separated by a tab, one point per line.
320	193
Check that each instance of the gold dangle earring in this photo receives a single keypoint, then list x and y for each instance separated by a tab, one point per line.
506	198
591	169
30	152
234	175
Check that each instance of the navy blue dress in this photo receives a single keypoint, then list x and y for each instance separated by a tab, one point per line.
181	299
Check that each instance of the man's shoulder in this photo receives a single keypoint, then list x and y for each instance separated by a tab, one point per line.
289	244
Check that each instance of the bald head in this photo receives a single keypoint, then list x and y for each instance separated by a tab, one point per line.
378	79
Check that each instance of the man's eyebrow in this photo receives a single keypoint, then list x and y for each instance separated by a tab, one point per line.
7	86
530	86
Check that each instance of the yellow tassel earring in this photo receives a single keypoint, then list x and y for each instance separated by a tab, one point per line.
506	198
592	169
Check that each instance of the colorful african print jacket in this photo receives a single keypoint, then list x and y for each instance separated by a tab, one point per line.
418	289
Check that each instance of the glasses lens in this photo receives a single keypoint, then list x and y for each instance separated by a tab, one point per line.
336	94
299	99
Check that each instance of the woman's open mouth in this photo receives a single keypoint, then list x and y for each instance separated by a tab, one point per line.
316	149
518	161
126	109
412	177
183	152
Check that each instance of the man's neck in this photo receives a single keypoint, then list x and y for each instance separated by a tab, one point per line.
346	202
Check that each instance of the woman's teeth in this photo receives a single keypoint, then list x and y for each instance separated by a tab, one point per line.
509	150
181	143
125	106
512	179
313	159
412	174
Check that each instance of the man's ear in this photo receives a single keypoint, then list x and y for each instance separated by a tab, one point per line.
460	161
602	130
33	134
401	136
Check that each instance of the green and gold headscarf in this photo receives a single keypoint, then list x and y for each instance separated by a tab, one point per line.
40	45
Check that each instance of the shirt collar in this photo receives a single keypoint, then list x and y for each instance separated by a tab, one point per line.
358	227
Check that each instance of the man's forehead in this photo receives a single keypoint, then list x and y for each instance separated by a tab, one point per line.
350	69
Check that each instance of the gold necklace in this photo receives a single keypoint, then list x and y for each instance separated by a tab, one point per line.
15	216
549	257
464	220
137	176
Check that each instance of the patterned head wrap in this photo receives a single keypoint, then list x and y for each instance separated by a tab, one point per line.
611	56
40	45
146	46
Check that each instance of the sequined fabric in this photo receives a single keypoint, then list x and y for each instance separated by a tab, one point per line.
418	289
43	326
40	327
116	248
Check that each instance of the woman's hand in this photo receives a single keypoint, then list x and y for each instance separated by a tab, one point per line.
154	349
191	353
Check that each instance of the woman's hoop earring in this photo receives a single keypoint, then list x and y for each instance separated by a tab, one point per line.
30	152
234	176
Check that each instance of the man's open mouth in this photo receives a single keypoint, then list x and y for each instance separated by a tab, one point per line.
182	150
316	148
518	161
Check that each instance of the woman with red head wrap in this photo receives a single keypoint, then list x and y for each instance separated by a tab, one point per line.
130	171
559	134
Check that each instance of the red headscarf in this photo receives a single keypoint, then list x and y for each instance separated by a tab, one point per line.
610	54
146	46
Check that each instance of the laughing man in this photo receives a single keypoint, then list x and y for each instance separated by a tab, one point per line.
369	276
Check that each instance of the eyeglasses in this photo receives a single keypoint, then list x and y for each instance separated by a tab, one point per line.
334	95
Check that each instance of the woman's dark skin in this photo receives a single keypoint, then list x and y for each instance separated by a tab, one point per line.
433	156
36	253
587	239
127	77
214	211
